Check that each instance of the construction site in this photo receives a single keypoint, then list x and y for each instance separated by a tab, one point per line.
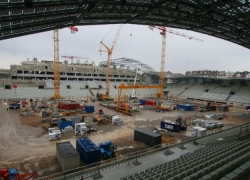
121	119
92	121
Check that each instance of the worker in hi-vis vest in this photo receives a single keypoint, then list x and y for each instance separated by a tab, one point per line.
7	107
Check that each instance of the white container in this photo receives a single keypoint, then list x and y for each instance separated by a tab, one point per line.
56	134
79	127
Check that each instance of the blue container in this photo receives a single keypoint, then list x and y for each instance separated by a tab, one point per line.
170	126
185	107
247	107
142	101
89	109
63	124
88	151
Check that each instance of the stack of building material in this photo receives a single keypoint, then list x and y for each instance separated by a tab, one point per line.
199	131
89	152
67	156
54	134
80	129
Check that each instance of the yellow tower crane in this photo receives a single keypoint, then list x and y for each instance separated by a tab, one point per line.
57	94
56	65
163	32
109	62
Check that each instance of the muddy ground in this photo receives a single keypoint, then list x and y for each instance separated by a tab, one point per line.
24	140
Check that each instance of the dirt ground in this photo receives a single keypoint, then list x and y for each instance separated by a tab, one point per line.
24	140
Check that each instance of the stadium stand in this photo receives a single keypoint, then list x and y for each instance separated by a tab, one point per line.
213	96
226	161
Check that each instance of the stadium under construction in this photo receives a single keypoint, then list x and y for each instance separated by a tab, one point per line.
121	119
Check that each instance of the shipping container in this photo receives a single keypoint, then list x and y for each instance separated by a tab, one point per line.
68	105
247	107
89	152
64	123
75	120
213	108
150	103
148	137
223	108
185	107
89	109
142	101
67	156
169	125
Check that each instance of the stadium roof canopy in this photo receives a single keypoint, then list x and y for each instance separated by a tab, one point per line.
130	64
225	19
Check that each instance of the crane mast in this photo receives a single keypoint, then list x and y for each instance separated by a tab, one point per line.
56	65
163	32
162	71
109	61
57	94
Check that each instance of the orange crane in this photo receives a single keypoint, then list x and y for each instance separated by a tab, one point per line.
122	97
109	62
163	32
57	62
74	57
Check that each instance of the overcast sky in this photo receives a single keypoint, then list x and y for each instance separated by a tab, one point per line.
136	42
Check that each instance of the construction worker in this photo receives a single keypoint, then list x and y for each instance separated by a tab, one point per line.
7	107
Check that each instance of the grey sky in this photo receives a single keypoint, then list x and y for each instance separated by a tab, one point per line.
144	45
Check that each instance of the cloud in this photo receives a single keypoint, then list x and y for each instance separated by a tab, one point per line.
136	42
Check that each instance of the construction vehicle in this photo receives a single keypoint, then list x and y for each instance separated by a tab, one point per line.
13	174
122	100
108	150
101	96
182	123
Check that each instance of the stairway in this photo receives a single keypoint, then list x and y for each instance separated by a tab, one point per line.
91	92
182	91
228	97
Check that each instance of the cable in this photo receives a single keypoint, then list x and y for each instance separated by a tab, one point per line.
131	35
108	32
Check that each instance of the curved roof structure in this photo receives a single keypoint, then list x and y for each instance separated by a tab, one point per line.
131	64
225	19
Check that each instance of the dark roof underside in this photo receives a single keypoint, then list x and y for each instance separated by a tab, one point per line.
225	19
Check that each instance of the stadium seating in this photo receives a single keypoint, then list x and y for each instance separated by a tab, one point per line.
213	96
229	160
